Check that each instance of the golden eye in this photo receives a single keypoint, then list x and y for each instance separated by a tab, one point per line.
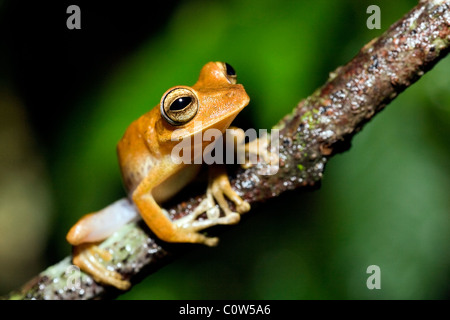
179	106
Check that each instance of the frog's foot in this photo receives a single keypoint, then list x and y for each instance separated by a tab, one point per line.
86	257
259	149
249	154
218	188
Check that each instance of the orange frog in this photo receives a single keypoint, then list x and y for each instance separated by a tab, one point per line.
152	177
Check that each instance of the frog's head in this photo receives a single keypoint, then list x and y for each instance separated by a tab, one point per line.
212	103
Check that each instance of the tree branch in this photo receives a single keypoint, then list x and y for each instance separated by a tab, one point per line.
319	127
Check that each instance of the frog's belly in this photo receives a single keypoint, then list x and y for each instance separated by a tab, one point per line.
175	183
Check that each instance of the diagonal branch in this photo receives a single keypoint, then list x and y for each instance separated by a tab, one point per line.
319	127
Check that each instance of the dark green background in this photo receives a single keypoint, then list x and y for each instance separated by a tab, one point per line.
384	202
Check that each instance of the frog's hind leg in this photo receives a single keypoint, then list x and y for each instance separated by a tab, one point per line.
96	227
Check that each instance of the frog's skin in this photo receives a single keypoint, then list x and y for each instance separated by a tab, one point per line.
151	177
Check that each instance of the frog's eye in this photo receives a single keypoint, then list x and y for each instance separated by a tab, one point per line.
231	73
179	106
228	72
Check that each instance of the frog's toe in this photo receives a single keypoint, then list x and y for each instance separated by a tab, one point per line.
230	218
85	257
211	241
243	207
102	253
247	165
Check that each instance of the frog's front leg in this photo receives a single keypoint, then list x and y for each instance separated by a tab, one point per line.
219	186
157	218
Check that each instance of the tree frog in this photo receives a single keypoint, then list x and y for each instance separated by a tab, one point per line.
151	176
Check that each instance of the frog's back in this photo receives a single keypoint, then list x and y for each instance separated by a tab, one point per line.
135	158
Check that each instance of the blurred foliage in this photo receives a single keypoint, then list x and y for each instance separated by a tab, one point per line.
24	196
385	202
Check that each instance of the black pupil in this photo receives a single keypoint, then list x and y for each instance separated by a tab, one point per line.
230	70
180	103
